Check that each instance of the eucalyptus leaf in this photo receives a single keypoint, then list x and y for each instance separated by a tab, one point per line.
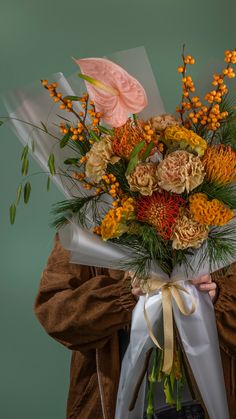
18	194
27	190
51	164
12	213
65	140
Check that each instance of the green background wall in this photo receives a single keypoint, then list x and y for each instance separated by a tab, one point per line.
38	38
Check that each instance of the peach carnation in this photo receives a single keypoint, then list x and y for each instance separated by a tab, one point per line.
180	171
144	178
187	232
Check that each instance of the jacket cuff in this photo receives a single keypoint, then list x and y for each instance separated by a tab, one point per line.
127	299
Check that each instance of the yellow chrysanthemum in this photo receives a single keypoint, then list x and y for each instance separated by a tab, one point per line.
220	164
114	222
187	139
212	213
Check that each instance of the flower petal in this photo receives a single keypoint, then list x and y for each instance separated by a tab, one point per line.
131	97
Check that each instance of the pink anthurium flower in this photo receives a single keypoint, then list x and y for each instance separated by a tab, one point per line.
116	94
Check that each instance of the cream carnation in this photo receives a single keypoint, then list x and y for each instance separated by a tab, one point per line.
98	157
144	178
187	232
180	171
160	122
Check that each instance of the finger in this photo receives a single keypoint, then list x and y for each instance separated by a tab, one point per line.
207	287
213	294
202	279
137	291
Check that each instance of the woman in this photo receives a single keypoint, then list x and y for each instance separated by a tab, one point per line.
88	309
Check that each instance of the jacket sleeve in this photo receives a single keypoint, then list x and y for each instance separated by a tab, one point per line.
225	310
78	307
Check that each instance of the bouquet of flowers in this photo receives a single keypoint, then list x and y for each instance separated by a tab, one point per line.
161	191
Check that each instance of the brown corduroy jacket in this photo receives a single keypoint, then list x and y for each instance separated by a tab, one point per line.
84	308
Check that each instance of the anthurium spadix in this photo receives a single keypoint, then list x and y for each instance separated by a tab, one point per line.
115	93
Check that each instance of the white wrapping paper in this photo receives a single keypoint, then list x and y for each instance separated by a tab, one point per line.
198	331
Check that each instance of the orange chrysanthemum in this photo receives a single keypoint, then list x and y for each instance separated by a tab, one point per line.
161	211
211	213
220	164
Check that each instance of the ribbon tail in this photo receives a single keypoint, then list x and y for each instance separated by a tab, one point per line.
168	331
151	334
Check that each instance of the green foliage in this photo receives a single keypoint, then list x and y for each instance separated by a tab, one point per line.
25	166
44	127
51	164
12	213
78	207
27	191
146	246
18	194
226	134
148	150
72	161
133	158
220	247
48	183
65	139
1	123
118	170
73	98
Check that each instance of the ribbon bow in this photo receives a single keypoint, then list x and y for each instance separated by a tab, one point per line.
169	290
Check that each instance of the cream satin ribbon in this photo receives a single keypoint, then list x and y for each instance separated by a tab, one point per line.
169	290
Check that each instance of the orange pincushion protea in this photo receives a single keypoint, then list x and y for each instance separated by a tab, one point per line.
220	164
126	138
161	211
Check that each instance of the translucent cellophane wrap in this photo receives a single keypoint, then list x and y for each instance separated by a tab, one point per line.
197	331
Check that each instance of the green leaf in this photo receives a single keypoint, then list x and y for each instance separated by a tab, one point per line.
134	157
44	126
75	98
51	164
94	136
12	213
65	140
137	149
104	130
48	183
132	164
25	166
25	152
27	190
18	194
148	150
1	123
71	161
